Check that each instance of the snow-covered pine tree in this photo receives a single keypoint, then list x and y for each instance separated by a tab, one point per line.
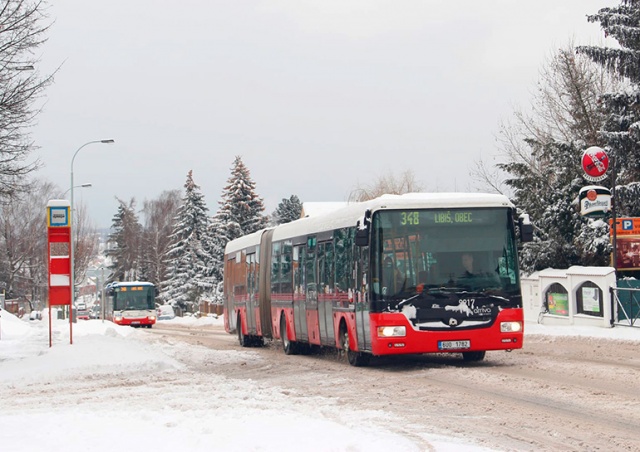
622	129
562	237
189	257
287	211
241	208
124	244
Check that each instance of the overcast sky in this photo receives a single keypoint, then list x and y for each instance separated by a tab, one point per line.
317	97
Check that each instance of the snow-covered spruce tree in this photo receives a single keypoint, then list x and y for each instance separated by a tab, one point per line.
241	208
287	211
621	132
124	244
189	257
562	237
542	152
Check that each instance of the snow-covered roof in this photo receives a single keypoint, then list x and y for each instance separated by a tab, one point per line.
58	203
553	273
312	209
590	271
572	271
350	213
130	283
244	241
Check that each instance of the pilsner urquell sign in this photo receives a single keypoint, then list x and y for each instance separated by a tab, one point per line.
595	201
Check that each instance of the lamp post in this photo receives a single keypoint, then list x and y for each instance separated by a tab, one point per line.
614	216
72	241
87	185
102	297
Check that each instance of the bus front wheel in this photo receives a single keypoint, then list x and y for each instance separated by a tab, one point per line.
473	356
356	359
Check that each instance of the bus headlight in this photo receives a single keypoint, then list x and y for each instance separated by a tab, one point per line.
392	331
117	318
151	317
510	327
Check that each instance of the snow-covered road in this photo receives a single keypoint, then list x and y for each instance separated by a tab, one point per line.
120	388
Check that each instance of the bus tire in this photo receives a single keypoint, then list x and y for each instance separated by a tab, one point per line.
287	345
356	359
242	339
473	356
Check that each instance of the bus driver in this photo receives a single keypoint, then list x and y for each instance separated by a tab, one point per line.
467	264
393	278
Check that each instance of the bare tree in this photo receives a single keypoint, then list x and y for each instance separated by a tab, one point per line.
387	184
23	241
85	242
22	30
159	215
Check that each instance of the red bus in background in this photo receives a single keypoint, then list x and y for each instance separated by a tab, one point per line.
131	303
400	274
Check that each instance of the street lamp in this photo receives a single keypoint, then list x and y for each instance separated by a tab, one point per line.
72	241
87	185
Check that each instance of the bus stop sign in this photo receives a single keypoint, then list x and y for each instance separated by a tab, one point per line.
59	257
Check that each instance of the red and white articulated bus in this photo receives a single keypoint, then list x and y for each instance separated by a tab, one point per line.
400	274
131	303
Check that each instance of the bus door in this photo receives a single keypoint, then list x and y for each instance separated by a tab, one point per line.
311	292
229	313
326	292
252	295
299	293
362	299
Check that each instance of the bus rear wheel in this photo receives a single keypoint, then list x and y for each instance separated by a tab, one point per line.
473	356
356	359
287	345
242	339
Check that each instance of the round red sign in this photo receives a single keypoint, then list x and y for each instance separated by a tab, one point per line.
595	163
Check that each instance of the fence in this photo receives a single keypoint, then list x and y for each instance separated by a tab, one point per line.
210	308
627	298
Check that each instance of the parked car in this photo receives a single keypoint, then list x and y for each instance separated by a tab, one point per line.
35	315
83	314
165	312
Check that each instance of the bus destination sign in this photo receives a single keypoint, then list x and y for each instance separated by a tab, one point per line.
457	216
441	217
412	218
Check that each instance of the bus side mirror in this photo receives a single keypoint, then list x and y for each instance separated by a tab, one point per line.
526	228
362	236
362	232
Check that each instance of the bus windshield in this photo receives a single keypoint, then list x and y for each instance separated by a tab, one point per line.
133	298
446	249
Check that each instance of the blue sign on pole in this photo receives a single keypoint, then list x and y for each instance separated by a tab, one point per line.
58	216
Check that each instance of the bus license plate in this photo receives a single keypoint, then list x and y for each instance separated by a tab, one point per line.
453	345
136	322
